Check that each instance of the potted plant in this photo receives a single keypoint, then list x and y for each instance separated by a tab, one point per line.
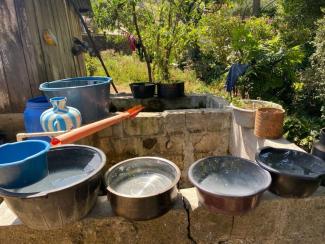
130	18
245	110
162	29
168	36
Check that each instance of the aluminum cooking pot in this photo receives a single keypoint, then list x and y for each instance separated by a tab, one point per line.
142	188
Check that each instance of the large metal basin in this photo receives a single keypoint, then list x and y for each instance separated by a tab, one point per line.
90	95
229	185
66	195
294	173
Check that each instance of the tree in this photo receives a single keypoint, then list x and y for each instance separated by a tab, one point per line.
129	16
297	20
163	28
256	7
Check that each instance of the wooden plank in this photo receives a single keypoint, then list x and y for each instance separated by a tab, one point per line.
76	32
31	41
67	16
4	93
52	58
13	59
58	7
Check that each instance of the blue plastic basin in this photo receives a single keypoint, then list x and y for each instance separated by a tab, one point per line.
23	163
90	95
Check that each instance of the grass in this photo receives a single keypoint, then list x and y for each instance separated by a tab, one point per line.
126	69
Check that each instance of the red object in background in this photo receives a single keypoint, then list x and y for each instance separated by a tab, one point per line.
132	42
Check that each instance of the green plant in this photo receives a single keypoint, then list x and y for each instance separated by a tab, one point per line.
296	20
310	92
302	130
129	16
163	28
91	66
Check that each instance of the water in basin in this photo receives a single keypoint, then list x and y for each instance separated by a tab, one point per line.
54	180
143	184
235	184
292	162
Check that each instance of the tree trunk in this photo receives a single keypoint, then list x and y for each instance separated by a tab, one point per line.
146	56
256	7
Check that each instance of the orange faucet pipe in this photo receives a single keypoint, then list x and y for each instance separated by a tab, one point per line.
84	131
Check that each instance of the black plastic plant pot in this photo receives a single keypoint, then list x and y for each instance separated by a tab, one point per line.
143	90
294	173
173	90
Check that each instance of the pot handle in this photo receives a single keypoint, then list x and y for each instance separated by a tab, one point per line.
4	193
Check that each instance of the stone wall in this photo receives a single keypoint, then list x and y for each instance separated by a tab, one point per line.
182	136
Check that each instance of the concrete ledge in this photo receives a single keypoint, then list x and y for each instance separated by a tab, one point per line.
275	220
243	142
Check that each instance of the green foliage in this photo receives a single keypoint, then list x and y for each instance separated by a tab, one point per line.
91	66
272	73
165	27
113	14
225	40
311	92
302	130
296	20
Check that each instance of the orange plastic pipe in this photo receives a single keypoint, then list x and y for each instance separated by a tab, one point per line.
84	131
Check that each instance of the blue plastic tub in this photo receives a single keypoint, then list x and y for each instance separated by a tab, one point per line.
90	95
33	110
23	163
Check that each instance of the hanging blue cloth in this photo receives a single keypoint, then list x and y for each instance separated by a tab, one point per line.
235	71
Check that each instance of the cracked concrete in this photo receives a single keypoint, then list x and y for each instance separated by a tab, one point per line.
276	220
187	209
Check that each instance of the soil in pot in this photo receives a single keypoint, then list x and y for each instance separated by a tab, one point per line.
143	90
172	90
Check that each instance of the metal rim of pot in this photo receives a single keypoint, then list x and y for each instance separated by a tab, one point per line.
312	176
43	86
6	193
172	185
194	182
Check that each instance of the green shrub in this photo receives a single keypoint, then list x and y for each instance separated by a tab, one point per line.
302	130
311	91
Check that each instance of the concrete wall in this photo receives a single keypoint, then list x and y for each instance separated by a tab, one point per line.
243	142
182	136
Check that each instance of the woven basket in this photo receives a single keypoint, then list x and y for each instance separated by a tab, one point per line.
269	123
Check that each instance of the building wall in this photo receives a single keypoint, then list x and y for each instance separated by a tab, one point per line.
25	59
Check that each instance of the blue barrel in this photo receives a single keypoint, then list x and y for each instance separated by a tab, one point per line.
34	108
90	95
